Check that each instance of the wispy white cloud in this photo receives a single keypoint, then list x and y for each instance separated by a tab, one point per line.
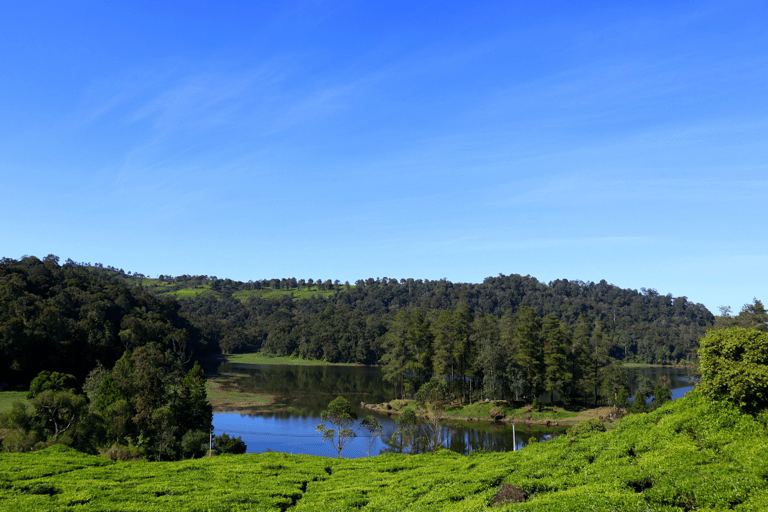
201	101
317	104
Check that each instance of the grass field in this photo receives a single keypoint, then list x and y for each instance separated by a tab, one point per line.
191	292
260	358
225	397
688	455
183	289
268	293
646	365
8	397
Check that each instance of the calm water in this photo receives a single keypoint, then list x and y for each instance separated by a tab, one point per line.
307	390
681	380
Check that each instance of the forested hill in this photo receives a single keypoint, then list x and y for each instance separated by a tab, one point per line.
65	318
343	322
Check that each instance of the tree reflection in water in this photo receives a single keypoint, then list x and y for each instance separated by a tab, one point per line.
304	391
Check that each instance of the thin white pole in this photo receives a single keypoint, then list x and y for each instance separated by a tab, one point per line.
514	439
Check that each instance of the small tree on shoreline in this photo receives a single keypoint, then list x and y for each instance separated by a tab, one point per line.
340	415
407	430
435	393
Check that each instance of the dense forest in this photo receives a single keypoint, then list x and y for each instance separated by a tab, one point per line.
705	451
111	357
347	323
66	317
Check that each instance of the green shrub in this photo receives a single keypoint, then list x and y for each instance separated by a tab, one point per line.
194	444
734	367
587	428
123	452
225	444
19	441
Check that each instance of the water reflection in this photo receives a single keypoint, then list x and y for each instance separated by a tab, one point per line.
304	391
308	389
296	434
681	380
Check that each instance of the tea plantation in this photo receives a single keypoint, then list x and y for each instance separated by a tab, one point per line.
691	454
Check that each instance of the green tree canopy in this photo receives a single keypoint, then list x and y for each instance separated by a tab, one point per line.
47	381
340	415
407	429
734	367
148	396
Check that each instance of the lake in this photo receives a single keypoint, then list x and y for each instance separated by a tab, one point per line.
305	391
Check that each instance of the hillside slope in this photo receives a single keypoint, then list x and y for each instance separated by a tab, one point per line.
66	317
690	454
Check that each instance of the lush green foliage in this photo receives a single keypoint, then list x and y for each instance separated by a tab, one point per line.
751	316
690	454
65	318
586	428
147	400
146	406
47	381
340	415
405	436
734	366
519	357
434	397
289	316
226	444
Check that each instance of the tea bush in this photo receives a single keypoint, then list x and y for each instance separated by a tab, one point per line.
690	454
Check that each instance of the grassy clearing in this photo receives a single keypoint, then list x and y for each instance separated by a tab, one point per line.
261	358
8	397
647	365
183	289
191	292
690	454
269	293
225	396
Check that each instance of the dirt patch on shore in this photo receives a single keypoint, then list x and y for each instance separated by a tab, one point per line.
225	396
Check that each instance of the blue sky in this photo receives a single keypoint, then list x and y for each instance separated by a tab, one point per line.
346	140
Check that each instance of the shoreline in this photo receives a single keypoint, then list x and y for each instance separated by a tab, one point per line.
268	359
225	396
549	417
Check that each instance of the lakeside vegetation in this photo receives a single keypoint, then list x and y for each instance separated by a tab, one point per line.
493	411
226	397
637	466
290	316
136	394
262	358
493	335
